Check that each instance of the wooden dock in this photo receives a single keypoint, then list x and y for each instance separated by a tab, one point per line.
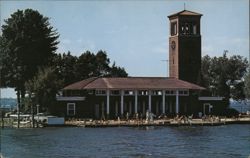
140	123
162	122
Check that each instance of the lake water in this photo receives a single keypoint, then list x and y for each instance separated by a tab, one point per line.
229	141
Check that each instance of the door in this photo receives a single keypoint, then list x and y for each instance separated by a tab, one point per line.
97	111
206	109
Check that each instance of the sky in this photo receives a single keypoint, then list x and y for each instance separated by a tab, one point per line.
135	33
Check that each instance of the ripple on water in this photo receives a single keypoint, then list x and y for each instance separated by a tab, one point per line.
220	141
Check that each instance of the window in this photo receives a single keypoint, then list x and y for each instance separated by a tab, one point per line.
90	92
170	92
143	92
182	30
115	92
183	92
129	92
157	92
173	28
194	29
71	107
100	92
186	29
189	28
67	93
75	93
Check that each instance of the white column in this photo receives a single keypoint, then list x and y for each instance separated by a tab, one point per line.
177	102
149	101
163	101
107	102
116	108
122	102
136	101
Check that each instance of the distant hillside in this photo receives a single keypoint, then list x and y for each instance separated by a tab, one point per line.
8	102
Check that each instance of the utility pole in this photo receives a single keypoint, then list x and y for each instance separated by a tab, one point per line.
31	96
167	65
18	108
1	111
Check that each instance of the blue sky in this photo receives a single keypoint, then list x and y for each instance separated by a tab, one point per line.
135	33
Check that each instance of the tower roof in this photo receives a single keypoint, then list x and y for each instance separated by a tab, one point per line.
185	13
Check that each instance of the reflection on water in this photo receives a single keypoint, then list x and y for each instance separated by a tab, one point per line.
219	141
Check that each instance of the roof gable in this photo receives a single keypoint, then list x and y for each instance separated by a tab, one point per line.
79	85
185	13
132	83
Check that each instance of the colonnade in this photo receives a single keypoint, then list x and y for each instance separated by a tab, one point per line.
136	102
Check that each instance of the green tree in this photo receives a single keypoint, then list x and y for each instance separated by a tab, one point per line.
44	86
65	66
86	66
247	85
116	71
71	68
223	76
102	63
28	41
91	65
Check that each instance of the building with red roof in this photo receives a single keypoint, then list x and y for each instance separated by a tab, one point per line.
110	97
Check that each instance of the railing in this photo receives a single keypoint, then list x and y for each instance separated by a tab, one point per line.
62	98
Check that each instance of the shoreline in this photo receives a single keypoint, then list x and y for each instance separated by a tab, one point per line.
89	123
161	122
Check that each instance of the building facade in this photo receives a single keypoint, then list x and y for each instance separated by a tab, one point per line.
185	46
179	94
112	97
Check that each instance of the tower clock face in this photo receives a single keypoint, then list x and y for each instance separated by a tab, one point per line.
173	44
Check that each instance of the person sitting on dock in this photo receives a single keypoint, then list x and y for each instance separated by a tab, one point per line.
127	117
190	119
147	116
151	116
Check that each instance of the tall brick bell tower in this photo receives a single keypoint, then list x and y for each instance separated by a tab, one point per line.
185	46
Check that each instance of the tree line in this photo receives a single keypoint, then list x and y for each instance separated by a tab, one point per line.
29	63
226	76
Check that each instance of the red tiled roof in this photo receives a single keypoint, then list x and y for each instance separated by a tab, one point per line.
185	12
80	85
133	83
